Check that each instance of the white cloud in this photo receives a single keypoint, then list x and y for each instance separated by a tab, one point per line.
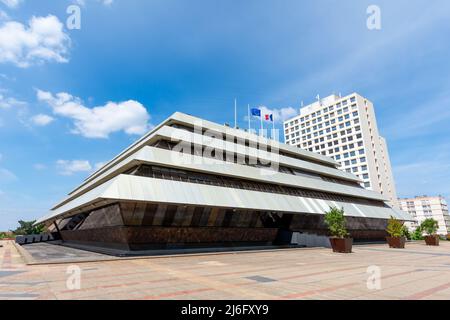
42	120
3	15
99	165
279	114
104	2
8	102
98	122
39	166
429	176
11	3
432	115
43	40
16	3
7	176
69	167
424	169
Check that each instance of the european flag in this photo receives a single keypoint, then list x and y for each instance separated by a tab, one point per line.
256	112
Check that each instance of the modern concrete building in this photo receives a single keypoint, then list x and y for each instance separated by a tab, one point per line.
421	208
345	129
194	183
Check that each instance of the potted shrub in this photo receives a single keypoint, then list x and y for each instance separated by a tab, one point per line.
396	231
406	233
417	234
340	240
430	226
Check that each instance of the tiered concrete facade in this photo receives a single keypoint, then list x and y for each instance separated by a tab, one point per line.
421	208
345	129
193	183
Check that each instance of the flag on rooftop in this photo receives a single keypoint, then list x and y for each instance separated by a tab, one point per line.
268	117
256	112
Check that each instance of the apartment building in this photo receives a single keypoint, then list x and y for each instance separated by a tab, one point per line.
345	129
421	208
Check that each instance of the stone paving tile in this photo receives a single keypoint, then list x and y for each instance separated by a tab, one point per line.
418	272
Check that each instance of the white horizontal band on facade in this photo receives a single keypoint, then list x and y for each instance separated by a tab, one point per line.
135	188
162	157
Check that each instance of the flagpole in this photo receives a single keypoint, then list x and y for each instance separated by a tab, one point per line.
273	127
262	127
235	113
249	123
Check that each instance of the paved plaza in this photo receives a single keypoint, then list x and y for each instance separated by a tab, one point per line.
417	272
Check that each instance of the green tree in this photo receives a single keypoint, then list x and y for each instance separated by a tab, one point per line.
335	219
4	235
429	226
27	228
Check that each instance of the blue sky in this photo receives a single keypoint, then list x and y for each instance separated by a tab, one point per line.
157	57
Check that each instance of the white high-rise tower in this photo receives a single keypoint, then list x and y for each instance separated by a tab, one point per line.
345	128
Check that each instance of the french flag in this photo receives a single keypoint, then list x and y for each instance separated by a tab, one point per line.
269	117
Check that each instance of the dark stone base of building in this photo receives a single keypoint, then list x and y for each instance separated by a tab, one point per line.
360	229
147	226
147	238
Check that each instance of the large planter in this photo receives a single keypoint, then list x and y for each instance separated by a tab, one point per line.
341	245
432	240
396	242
